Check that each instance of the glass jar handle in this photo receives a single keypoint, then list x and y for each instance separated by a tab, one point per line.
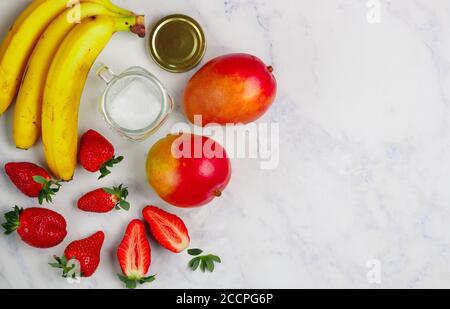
103	71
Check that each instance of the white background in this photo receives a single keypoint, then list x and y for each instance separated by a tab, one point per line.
364	174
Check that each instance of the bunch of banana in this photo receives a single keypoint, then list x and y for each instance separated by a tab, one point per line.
45	59
27	112
22	37
65	83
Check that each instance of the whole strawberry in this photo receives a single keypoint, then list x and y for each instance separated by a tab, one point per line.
38	227
168	229
86	251
104	200
97	153
32	180
134	256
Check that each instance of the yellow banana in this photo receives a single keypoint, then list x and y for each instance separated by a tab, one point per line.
22	37
65	83
27	112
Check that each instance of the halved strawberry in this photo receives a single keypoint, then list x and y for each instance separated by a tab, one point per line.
134	255
168	229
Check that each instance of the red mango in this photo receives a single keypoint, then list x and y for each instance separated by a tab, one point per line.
188	170
236	88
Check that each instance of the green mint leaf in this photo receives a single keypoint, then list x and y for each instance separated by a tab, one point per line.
195	252
202	265
204	262
215	258
191	262
209	265
194	263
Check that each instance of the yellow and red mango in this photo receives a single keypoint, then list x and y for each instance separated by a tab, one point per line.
236	88
188	170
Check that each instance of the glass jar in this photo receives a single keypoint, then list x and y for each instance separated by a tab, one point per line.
135	103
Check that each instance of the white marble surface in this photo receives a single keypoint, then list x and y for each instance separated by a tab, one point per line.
364	172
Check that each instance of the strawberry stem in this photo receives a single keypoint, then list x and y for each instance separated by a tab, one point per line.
12	220
49	189
62	263
104	171
131	282
121	193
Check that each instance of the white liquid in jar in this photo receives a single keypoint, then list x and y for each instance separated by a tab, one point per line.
135	103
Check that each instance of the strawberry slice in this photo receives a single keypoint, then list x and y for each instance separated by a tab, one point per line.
168	229
134	255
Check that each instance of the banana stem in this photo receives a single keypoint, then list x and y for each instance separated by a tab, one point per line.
135	24
139	27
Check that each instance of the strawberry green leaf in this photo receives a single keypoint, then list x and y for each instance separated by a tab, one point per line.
104	171
195	252
124	205
12	220
61	262
122	278
131	283
109	191
55	265
40	179
147	279
121	193
49	188
41	198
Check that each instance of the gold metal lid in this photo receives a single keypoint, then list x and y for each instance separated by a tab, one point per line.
177	43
